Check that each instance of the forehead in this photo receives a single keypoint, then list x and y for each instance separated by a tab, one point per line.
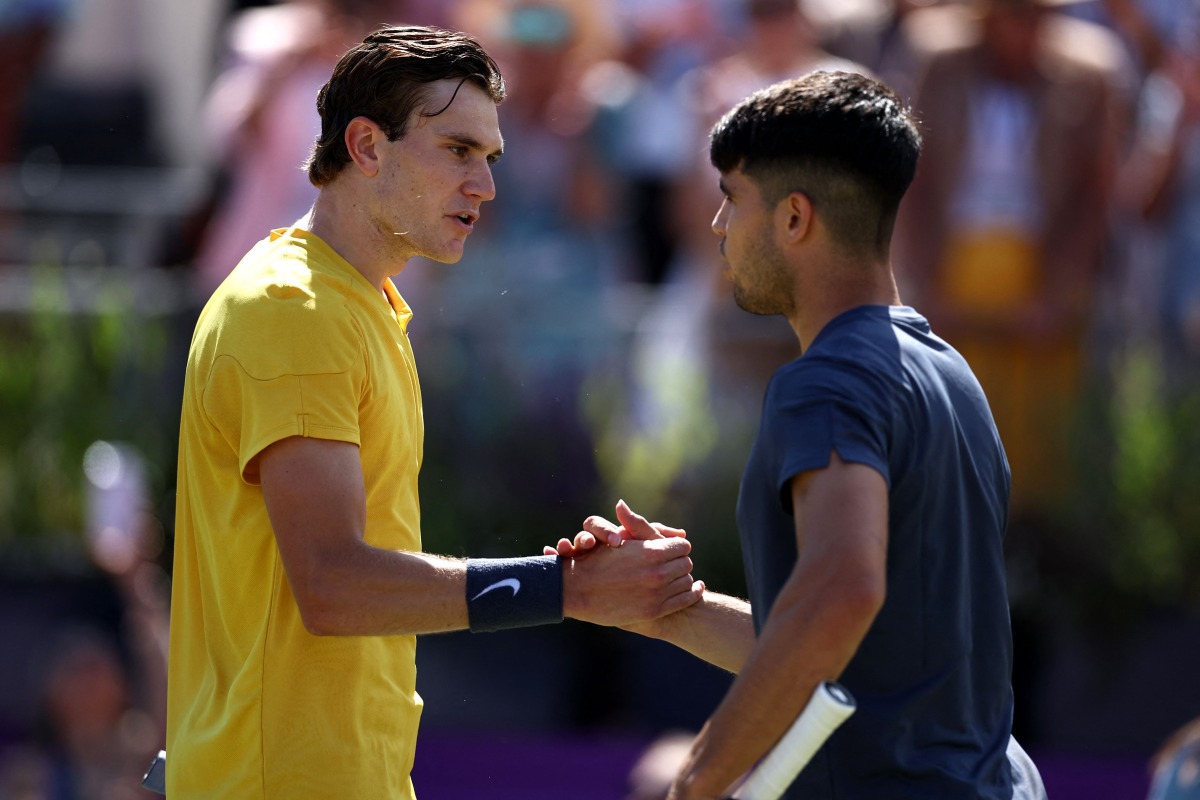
737	182
462	108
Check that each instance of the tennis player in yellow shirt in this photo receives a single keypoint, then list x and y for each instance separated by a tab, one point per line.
299	583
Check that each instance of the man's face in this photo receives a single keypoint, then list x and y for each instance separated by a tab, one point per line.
762	281
435	178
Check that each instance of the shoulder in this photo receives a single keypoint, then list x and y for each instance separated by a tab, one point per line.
850	360
279	313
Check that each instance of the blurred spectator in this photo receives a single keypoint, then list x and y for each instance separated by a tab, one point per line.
101	689
1002	238
125	541
27	29
94	744
1134	21
1175	769
870	32
1163	183
538	280
643	118
263	120
779	41
101	692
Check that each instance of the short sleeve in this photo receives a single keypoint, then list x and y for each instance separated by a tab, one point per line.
815	409
253	413
304	379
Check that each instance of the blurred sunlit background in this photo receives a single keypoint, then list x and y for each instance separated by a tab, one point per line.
586	349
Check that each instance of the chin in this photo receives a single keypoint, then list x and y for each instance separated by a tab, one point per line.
755	305
446	256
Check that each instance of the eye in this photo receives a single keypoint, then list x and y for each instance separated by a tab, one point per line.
459	150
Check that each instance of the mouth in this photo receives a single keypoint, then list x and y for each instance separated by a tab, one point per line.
466	219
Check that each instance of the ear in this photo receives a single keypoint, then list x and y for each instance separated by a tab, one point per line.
794	217
362	137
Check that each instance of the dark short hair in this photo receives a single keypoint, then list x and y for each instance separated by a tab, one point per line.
386	78
843	139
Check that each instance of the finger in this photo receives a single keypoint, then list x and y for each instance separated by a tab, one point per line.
584	541
550	551
684	599
667	530
637	526
683	583
675	568
564	548
669	548
603	530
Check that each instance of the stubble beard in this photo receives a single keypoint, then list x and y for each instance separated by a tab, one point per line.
763	286
407	244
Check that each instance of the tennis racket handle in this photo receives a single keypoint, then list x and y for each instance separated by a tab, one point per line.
829	706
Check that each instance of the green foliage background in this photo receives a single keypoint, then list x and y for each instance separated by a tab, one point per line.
71	373
1131	523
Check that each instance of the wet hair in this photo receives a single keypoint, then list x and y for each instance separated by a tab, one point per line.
386	78
844	140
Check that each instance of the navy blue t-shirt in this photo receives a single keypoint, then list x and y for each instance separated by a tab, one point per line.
932	678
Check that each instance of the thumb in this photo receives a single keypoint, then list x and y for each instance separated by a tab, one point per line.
635	525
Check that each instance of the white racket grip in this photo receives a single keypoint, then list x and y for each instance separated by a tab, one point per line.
829	706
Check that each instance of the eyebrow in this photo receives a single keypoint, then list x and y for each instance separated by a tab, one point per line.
724	187
466	140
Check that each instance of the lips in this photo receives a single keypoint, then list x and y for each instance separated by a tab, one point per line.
466	219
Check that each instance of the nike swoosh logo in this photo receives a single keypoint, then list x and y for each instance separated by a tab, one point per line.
507	583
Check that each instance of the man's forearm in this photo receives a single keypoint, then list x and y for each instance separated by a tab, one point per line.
363	590
812	632
718	629
369	591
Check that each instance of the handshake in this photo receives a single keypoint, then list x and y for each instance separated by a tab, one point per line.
628	575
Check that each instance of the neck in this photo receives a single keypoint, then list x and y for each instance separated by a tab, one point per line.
352	236
842	287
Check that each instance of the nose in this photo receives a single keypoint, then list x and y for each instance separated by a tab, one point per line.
480	183
718	223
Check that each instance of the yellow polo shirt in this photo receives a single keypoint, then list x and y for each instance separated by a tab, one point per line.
296	342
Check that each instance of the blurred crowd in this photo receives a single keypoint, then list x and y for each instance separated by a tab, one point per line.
586	348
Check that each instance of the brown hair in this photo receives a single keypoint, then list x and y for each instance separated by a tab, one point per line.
386	78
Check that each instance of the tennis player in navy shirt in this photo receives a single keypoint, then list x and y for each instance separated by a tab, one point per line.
874	502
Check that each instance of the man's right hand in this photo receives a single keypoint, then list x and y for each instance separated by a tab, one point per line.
644	573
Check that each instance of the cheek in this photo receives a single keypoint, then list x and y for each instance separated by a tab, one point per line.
742	232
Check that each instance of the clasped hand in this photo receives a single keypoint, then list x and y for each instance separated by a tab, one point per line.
643	573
